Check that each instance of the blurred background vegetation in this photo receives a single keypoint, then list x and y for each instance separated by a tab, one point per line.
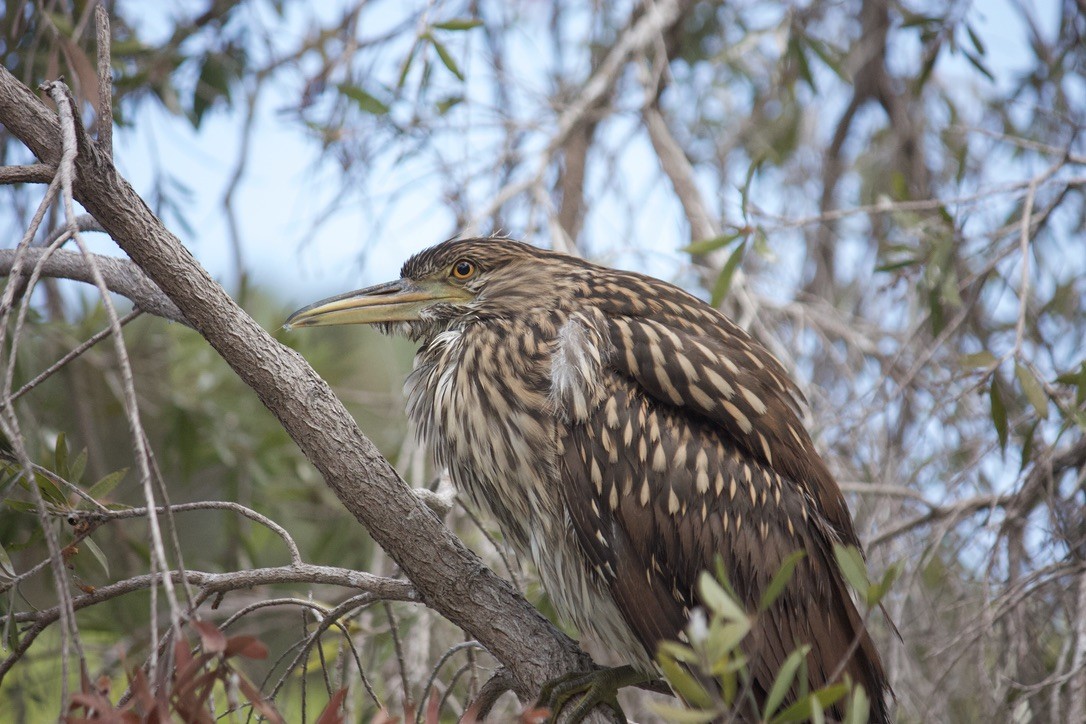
888	194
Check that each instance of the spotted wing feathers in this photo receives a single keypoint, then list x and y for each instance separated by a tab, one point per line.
693	449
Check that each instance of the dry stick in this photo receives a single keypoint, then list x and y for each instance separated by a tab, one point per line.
450	578
10	423
210	583
389	589
394	629
71	355
66	172
330	619
288	541
469	645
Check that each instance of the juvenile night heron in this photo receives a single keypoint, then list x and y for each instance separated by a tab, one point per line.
624	434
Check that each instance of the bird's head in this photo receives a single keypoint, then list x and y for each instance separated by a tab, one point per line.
453	283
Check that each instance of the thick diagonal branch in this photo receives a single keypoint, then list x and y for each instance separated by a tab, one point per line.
449	577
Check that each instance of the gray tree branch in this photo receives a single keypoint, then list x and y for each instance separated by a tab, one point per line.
449	577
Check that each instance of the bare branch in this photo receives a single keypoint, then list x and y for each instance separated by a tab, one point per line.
120	276
35	173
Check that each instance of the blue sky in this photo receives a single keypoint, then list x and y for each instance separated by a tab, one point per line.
286	187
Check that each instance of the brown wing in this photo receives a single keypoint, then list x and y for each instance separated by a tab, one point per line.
688	355
660	478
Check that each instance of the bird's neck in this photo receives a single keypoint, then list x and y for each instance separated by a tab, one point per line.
468	378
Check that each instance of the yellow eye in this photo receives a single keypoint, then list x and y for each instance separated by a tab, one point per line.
463	269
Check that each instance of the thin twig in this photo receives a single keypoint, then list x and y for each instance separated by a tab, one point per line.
71	355
70	130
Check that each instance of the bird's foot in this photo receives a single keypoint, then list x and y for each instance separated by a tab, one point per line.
591	689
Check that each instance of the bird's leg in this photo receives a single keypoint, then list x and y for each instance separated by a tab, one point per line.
599	687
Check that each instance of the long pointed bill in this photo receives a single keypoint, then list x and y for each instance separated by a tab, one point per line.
398	301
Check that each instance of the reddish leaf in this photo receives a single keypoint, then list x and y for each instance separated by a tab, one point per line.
182	659
433	708
90	700
332	714
141	690
247	647
262	705
212	639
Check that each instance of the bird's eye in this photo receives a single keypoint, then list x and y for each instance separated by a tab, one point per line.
463	269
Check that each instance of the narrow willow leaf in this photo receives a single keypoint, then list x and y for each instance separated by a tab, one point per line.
780	580
684	683
783	683
670	712
1031	386
108	482
718	600
724	281
459	24
978	360
706	246
446	57
97	553
852	565
999	413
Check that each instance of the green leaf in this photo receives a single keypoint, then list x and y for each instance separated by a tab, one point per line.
783	683
851	563
1031	386
975	39
77	466
212	84
706	246
365	101
878	591
724	281
459	24
108	482
681	715
999	413
810	708
895	265
11	631
797	712
978	360
97	553
780	580
60	456
446	57
406	66
5	562
717	599
723	640
21	506
446	104
50	490
677	651
684	683
977	63
1027	446
859	707
830	695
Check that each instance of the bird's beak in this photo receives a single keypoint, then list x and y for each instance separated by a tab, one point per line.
398	301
